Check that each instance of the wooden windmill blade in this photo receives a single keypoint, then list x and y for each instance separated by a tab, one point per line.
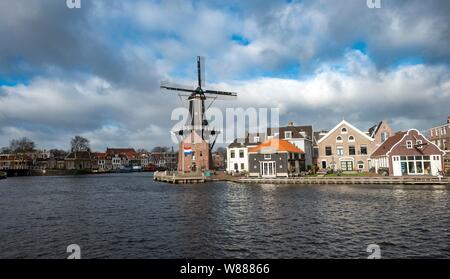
201	72
214	93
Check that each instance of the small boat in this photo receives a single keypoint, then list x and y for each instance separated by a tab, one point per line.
3	175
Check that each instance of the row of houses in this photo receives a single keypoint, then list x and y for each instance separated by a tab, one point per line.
293	149
110	160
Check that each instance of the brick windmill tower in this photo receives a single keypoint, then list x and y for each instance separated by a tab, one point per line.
197	137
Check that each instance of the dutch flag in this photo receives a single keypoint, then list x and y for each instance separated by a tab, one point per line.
187	151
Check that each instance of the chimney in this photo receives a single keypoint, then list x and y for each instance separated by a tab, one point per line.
291	124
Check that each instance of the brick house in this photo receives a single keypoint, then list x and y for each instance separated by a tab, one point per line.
275	158
440	135
408	153
345	148
194	154
380	132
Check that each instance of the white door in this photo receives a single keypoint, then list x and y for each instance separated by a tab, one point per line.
268	169
436	164
396	166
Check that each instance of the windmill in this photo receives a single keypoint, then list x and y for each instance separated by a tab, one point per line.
197	124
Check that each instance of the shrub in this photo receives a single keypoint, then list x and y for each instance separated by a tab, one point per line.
383	171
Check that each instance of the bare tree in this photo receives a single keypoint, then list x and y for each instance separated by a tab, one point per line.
78	143
160	149
22	145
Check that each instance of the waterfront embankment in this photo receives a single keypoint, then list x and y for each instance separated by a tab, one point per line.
193	178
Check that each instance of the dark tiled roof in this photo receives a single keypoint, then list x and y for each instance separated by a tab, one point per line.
388	144
79	155
297	131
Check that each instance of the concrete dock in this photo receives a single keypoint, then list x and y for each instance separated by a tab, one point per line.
350	180
180	178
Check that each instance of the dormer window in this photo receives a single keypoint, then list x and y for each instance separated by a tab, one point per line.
409	144
288	135
339	139
344	130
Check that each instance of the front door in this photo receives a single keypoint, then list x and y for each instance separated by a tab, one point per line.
347	165
268	169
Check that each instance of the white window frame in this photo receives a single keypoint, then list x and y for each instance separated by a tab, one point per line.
339	140
351	140
267	156
409	144
286	133
344	130
340	148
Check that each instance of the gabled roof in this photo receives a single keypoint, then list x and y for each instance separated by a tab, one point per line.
85	155
298	132
374	129
343	122
383	149
241	143
276	145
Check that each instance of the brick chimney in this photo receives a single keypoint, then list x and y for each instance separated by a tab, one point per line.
291	124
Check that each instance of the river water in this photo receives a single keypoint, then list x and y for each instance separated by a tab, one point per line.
131	216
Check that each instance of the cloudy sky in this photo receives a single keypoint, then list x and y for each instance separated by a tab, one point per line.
95	71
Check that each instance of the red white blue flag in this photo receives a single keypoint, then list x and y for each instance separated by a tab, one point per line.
188	151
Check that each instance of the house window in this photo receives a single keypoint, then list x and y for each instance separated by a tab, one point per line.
288	135
363	149
360	165
351	150
267	156
409	144
339	139
340	151
241	153
384	136
256	139
351	138
236	167
232	154
242	166
328	151
344	130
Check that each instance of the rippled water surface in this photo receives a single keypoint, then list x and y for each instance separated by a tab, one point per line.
130	216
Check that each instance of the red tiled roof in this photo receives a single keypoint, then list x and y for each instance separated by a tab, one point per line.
279	145
388	144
